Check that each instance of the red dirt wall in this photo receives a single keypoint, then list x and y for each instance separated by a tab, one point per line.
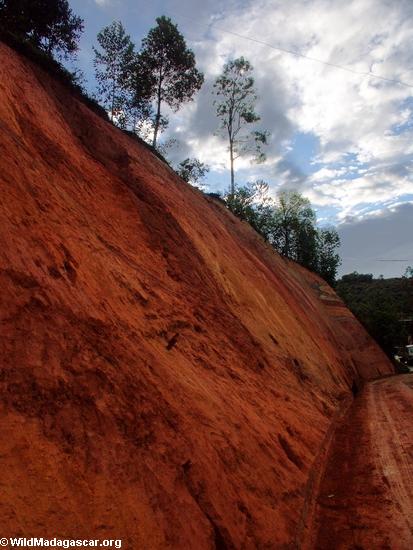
167	378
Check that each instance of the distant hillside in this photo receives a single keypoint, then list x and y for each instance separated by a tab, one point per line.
379	304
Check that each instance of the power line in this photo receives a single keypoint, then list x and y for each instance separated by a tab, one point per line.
303	56
375	259
394	260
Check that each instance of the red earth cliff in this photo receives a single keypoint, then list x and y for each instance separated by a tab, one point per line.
167	379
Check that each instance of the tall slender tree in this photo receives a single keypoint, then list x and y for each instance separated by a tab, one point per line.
114	64
235	106
140	106
168	67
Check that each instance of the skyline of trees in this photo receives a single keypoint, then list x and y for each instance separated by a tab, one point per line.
289	223
380	305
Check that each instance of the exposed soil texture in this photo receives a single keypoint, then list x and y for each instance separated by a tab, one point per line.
366	495
166	378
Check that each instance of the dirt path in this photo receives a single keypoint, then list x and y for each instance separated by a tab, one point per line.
366	494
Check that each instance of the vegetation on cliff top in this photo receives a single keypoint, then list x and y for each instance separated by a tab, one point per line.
289	224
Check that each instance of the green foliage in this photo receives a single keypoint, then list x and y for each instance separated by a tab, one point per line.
168	68
241	203
379	304
192	170
328	259
252	203
140	110
47	24
356	277
294	224
289	225
235	106
114	63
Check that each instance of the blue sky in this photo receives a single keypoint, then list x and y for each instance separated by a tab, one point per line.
344	140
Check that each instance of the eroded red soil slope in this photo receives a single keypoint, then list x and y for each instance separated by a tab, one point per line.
167	379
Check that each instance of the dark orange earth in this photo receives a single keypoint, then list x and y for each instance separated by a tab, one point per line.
366	495
166	377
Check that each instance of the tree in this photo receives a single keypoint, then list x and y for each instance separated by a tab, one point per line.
235	106
294	221
263	206
140	109
306	243
168	66
241	203
328	259
192	170
356	277
47	24
253	204
289	224
114	66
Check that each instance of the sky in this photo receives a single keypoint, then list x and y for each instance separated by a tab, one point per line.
340	137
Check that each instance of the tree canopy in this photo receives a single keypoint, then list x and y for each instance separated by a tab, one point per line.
294	224
289	224
114	63
168	67
235	106
192	171
47	24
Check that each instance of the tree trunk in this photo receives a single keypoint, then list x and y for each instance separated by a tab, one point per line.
158	112
112	101
231	156
286	251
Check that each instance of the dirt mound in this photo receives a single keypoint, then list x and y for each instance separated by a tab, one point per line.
167	379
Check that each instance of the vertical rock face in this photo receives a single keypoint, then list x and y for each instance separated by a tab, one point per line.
167	379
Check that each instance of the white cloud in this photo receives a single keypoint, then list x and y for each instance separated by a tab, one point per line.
364	126
380	243
361	174
348	113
